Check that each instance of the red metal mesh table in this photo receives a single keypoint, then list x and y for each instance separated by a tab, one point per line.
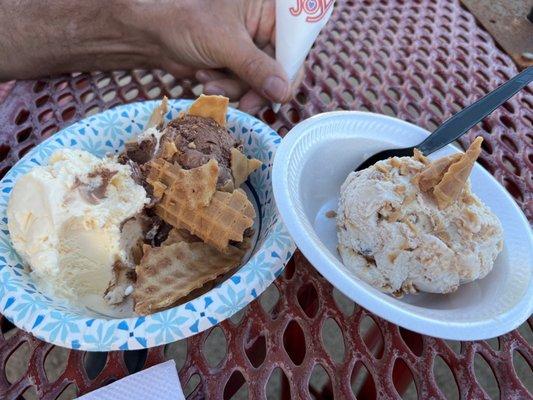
418	60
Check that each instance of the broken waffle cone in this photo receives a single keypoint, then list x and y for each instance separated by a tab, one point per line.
432	175
158	115
167	274
195	187
242	166
214	107
180	235
454	180
226	217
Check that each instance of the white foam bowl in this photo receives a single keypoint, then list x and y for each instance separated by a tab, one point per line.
310	165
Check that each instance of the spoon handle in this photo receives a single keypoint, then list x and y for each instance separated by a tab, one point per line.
465	119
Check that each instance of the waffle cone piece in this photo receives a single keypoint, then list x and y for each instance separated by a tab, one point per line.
431	176
214	107
226	217
447	177
194	187
158	115
242	166
168	273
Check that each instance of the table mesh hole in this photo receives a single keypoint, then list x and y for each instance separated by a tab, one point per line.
41	101
87	97
445	379
22	116
61	84
301	98
103	82
17	363
177	351
176	91
508	123
455	345
134	360
70	392
485	377
523	369
92	111
510	165
318	382
513	188
362	383
344	303
333	340
372	336
45	115
154	92
68	114
509	107
485	145
238	316
55	363
166	78
509	143
30	394
49	131
146	79
256	352
214	348
487	125
191	385
269	298
82	83
4	151
94	363
308	299
276	380
294	342
489	167
413	340
403	380
24	134
65	99
39	86
22	152
109	95
236	387
131	94
268	116
288	272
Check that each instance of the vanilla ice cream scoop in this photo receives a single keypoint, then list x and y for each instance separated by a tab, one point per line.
65	221
395	236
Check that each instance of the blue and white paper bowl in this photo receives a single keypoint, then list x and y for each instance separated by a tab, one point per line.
57	322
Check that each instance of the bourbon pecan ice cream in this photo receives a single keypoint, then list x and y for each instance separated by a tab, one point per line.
406	225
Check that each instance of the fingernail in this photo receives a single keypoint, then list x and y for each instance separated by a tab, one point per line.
213	89
275	88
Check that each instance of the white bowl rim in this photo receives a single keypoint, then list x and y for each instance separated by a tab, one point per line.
365	295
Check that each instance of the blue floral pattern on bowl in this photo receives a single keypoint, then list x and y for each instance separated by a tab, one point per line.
54	321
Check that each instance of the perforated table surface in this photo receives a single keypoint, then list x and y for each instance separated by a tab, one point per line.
418	60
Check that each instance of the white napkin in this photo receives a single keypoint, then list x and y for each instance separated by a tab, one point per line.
298	23
159	382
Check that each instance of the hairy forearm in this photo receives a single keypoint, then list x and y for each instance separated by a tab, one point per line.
49	37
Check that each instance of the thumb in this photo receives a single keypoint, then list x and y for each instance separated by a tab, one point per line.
264	74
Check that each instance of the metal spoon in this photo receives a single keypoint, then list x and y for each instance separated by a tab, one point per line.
461	122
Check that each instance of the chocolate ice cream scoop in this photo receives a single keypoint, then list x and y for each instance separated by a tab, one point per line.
199	139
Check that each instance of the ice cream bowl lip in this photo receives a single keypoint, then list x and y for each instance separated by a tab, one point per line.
294	176
55	321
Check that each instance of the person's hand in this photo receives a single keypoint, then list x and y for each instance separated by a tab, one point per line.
230	43
227	43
